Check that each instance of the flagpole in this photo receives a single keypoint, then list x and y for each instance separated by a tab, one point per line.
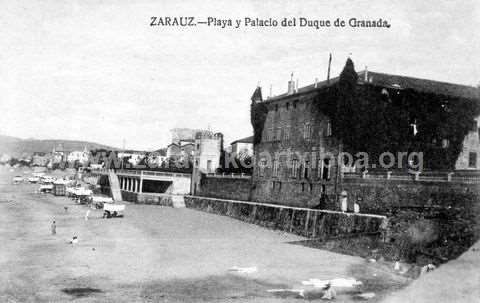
329	64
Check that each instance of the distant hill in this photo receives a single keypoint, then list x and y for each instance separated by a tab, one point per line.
17	147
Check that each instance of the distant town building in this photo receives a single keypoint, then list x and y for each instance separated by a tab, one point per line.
181	151
40	159
134	157
80	156
157	158
207	153
58	155
242	147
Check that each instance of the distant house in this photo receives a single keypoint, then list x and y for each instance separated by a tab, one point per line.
157	158
242	147
173	150
182	150
207	153
58	154
40	159
134	157
82	156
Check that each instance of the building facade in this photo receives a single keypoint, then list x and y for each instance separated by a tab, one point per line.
82	156
295	161
207	153
242	147
296	158
469	156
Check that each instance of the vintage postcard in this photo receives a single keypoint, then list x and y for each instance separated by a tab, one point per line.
239	151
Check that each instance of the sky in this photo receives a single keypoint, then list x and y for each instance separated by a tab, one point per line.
96	70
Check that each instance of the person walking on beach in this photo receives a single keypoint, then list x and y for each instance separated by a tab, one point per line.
54	228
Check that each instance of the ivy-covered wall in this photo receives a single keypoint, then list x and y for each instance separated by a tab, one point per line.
376	119
439	220
258	114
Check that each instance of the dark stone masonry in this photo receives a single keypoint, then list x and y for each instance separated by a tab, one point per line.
225	188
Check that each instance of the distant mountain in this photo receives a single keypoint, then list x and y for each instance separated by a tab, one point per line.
16	147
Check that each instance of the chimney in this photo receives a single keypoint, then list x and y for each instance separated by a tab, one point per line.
316	82
365	78
296	89
291	85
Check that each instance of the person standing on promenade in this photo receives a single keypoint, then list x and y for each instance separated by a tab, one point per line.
53	228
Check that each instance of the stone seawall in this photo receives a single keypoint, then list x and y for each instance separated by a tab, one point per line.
301	221
439	220
383	196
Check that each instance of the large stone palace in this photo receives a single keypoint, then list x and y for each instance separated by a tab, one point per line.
295	152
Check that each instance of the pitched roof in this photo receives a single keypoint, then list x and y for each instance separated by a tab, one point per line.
422	85
398	82
243	140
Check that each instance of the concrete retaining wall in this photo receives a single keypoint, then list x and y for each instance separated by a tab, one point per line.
300	221
146	198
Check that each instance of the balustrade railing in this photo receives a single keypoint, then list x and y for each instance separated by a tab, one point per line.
454	177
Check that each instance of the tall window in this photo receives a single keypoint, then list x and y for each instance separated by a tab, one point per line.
319	168
294	168
270	133
278	135
286	133
306	169
328	130
275	168
307	127
325	169
472	160
261	167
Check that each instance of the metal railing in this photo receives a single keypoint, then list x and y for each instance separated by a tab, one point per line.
139	173
454	177
151	173
232	175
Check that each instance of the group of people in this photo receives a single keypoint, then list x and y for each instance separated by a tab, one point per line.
53	226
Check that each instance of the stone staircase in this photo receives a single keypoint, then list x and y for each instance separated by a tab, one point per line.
114	186
178	201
